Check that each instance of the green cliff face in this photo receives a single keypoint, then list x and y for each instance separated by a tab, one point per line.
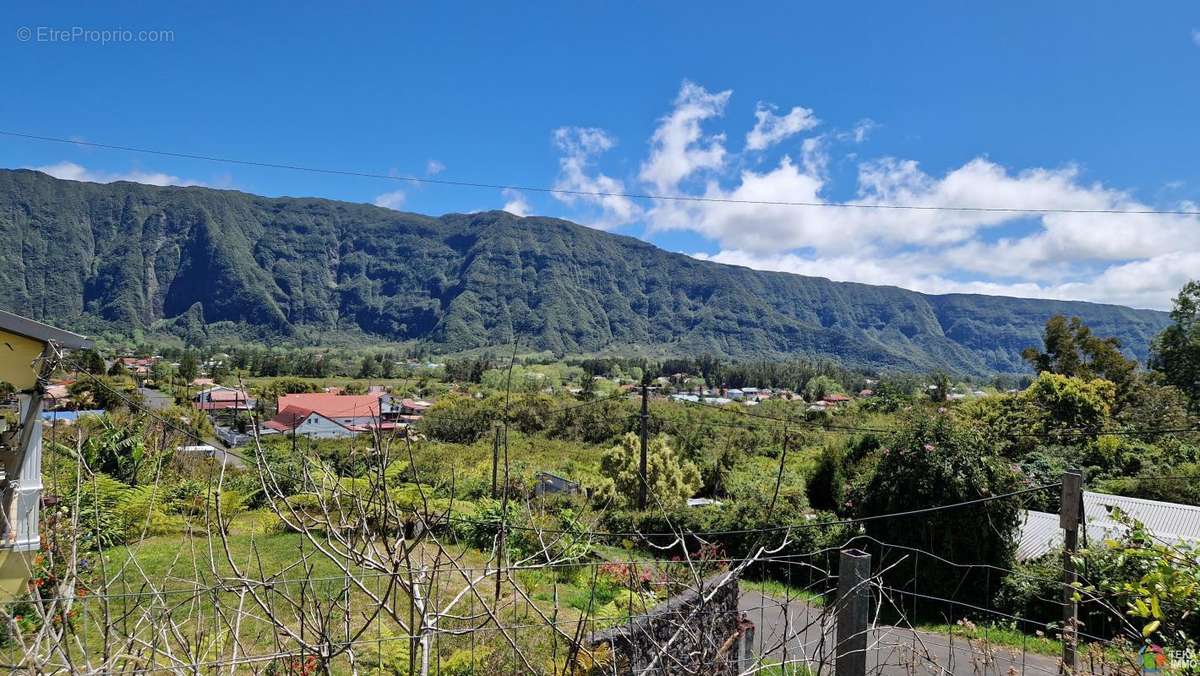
130	257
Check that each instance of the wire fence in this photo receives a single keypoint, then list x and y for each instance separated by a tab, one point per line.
376	583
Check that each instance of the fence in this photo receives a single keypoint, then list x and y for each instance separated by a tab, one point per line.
374	581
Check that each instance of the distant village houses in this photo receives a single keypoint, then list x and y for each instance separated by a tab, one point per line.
221	398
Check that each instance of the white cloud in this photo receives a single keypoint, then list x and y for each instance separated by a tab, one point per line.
71	171
1150	283
516	205
433	168
770	128
862	129
579	147
753	217
678	148
391	200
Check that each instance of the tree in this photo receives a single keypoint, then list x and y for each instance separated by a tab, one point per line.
1176	351
104	392
92	362
161	371
934	460
819	387
1159	582
116	448
369	368
670	480
459	420
940	389
1065	405
189	366
826	485
1071	349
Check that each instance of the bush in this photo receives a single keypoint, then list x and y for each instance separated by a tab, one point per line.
935	460
670	481
459	420
826	486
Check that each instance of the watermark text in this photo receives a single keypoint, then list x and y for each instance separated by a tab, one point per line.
95	36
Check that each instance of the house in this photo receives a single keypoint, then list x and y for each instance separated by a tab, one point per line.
323	414
138	366
407	410
735	394
221	398
1167	522
414	407
308	423
57	396
552	483
31	348
835	399
200	449
703	502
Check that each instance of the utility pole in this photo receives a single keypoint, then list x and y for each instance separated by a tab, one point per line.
645	439
495	459
1069	514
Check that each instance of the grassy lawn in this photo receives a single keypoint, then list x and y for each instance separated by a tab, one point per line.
998	635
780	590
174	576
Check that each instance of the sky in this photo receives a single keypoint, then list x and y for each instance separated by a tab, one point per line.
1070	105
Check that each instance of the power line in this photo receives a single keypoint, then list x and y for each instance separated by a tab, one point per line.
590	193
740	531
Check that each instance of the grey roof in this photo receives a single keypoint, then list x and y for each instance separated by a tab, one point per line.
1040	532
43	332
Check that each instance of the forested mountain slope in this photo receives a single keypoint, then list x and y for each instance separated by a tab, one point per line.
131	257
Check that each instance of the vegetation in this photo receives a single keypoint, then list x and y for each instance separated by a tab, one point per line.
201	266
669	482
779	473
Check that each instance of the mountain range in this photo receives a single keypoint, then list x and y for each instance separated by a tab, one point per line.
196	262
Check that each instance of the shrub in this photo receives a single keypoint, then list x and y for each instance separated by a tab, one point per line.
670	481
826	486
935	460
459	420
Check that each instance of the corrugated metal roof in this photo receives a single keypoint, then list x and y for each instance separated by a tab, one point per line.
1040	532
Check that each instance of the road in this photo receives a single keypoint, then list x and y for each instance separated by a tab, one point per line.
892	650
155	399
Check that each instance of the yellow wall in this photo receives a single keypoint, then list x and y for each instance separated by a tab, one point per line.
15	568
17	354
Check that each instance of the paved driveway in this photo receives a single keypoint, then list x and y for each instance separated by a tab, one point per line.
798	633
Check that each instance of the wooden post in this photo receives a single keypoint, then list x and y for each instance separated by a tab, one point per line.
1068	518
495	460
645	442
854	601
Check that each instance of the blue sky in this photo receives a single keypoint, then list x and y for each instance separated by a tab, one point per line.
1072	105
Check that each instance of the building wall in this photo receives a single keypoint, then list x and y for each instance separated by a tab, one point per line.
322	428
